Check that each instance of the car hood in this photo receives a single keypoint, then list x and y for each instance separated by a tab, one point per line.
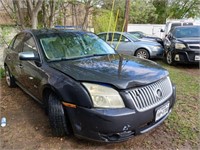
192	40
118	70
147	42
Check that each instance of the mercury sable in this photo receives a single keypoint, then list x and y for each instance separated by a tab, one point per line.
86	88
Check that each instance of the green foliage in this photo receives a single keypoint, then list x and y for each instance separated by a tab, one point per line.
160	10
2	73
142	12
119	5
183	9
101	21
4	32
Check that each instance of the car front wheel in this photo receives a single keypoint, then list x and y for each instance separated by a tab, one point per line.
142	53
9	78
169	58
58	120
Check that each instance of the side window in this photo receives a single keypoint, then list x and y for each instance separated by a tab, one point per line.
118	36
18	43
29	44
103	36
187	24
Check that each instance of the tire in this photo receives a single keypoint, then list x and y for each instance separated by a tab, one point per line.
169	58
58	120
10	80
142	53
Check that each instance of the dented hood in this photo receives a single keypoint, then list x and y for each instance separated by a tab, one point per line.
118	70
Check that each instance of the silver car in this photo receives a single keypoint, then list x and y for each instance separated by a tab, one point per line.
131	45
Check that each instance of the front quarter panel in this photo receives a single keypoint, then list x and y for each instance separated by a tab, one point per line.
68	89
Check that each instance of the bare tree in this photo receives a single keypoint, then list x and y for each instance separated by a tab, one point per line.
20	13
89	4
35	7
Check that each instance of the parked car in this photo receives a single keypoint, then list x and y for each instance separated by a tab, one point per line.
182	45
86	87
131	45
142	36
171	23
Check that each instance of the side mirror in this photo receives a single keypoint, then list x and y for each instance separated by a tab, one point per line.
126	40
33	56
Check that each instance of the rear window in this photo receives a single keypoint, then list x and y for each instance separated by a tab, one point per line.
187	24
175	25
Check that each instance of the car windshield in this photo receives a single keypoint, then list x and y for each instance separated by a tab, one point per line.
133	37
70	45
184	32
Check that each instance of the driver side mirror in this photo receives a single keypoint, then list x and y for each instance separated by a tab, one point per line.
32	56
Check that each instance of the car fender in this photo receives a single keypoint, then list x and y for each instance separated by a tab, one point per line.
68	89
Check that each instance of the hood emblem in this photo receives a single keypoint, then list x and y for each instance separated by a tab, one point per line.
158	93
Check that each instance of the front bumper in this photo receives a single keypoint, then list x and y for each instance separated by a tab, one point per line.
156	52
186	56
114	125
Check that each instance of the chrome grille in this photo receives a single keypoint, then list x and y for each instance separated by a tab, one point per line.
147	97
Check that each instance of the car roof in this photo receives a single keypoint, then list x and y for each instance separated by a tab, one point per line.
191	26
111	32
49	31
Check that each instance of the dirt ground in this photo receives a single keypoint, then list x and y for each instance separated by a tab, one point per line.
28	128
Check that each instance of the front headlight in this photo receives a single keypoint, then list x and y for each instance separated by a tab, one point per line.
157	47
104	97
179	46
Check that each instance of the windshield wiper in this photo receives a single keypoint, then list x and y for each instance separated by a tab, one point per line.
79	57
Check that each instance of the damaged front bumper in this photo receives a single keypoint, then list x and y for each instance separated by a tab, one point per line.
114	125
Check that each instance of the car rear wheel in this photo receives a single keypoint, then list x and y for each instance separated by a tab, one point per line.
169	58
9	78
58	120
142	53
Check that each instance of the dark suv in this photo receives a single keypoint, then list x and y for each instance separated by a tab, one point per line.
87	88
182	45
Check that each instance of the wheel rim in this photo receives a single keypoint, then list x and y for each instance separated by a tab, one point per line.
7	76
142	54
169	58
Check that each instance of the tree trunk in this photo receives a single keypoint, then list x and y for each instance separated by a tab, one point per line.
52	11
34	20
84	25
34	12
21	16
44	17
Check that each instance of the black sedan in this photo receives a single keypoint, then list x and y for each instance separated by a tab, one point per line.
182	45
87	88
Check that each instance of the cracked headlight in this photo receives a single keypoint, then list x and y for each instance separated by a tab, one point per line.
104	97
179	46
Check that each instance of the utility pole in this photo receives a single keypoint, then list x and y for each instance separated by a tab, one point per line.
126	14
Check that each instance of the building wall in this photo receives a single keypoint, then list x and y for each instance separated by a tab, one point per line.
151	29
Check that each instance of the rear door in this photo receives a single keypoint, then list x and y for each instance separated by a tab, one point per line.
12	59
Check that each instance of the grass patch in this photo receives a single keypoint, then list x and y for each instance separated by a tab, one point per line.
184	120
2	73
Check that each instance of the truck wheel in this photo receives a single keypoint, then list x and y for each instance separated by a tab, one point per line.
10	80
142	53
169	58
58	120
